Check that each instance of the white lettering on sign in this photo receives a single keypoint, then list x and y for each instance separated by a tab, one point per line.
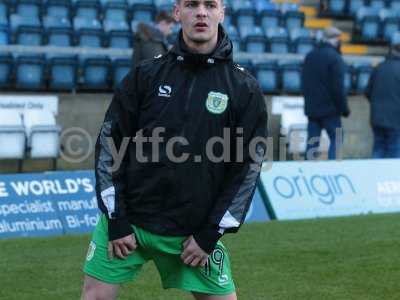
3	191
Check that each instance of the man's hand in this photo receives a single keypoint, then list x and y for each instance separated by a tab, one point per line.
192	254
122	247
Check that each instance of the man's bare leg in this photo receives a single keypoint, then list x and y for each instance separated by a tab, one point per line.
94	289
200	296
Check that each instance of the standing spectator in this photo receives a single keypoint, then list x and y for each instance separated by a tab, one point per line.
151	40
383	91
324	91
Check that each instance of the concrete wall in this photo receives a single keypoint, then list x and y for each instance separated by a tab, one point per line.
86	111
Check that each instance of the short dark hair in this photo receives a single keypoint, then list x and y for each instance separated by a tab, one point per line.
164	16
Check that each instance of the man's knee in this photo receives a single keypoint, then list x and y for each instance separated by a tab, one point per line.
94	289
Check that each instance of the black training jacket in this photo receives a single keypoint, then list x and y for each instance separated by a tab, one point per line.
192	96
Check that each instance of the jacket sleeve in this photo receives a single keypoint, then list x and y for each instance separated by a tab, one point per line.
338	71
120	124
231	206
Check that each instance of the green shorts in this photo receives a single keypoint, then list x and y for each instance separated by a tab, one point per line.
214	279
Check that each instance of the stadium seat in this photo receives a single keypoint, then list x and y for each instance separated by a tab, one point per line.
120	68
115	11
302	41
28	8
58	8
60	37
267	74
6	67
278	40
395	5
4	9
89	33
270	18
43	134
29	36
390	23
12	135
377	4
62	72
30	72
89	9
143	12
164	5
96	73
235	38
354	6
369	23
4	35
246	15
229	18
286	6
118	34
255	42
395	39
293	19
291	77
363	73
337	7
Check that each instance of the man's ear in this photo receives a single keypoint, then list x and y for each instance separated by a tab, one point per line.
177	13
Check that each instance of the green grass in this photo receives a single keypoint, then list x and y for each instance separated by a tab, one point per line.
342	258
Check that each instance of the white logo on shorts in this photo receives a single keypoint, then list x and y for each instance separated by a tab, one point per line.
90	253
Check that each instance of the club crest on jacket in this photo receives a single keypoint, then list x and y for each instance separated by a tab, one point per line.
216	103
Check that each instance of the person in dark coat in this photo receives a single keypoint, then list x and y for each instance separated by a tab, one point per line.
324	92
151	40
383	91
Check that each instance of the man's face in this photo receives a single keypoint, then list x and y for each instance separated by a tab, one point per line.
199	18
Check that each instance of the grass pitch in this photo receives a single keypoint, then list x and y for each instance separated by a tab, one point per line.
341	258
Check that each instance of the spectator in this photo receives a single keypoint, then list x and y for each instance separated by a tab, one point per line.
383	91
324	92
151	40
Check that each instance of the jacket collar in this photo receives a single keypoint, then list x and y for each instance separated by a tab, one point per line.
222	52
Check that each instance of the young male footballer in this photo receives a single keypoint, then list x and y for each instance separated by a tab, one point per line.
171	197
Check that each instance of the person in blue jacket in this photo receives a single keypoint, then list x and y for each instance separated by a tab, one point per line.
383	91
324	93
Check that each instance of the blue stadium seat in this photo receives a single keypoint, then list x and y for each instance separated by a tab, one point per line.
395	39
395	5
164	5
89	9
58	8
132	2
4	10
118	34
354	6
96	73
255	41
115	11
291	77
363	73
120	68
246	16
17	21
58	31
293	19
143	12
89	33
6	67
4	35
267	74
288	6
302	40
278	40
270	18
229	17
368	21
390	23
235	38
28	8
62	72
29	73
378	4
337	7
29	36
